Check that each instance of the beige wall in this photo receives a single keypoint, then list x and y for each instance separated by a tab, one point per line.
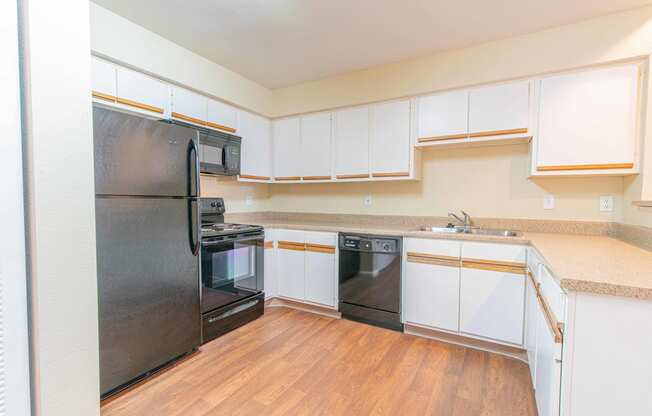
486	182
56	74
122	41
236	194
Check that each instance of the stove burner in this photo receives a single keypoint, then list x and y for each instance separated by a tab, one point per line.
214	229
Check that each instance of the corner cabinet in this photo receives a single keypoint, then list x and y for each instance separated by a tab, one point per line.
587	123
287	149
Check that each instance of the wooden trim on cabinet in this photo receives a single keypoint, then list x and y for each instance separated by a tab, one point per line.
498	132
494	265
530	275
287	178
291	245
103	96
188	118
354	176
586	167
315	178
219	126
320	248
268	244
434	260
142	106
440	138
642	203
256	177
389	174
553	324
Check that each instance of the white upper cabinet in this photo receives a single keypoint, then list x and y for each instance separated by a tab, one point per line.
141	93
103	80
587	122
390	139
221	116
287	149
256	154
352	143
316	146
443	116
499	110
188	106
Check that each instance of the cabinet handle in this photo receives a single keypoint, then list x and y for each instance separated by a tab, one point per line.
494	266
355	176
260	178
433	259
315	178
136	104
188	118
440	138
320	248
219	126
287	178
390	174
586	167
554	325
498	132
291	245
103	96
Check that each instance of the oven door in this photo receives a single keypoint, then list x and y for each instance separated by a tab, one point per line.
219	155
231	270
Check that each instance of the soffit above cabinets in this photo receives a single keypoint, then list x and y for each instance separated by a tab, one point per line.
281	43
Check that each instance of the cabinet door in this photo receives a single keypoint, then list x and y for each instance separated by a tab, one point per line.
432	294
103	80
531	325
443	116
188	106
290	264
256	150
221	116
352	143
587	120
548	375
287	149
390	139
316	146
139	92
320	268
492	304
499	110
270	283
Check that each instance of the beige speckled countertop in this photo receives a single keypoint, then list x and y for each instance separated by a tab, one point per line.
581	263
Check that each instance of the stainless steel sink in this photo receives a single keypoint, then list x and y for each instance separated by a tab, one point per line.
472	230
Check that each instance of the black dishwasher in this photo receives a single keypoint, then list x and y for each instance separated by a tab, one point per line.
370	279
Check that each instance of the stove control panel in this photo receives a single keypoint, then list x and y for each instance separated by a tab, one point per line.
212	206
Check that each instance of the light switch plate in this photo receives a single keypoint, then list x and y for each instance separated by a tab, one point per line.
607	203
367	200
548	202
249	200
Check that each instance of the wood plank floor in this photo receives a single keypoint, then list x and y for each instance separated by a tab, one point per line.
295	363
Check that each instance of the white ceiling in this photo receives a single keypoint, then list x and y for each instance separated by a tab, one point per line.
284	42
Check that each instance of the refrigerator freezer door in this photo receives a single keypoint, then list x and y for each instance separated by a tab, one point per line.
142	157
148	284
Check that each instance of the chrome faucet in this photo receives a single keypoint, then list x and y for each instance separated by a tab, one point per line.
466	222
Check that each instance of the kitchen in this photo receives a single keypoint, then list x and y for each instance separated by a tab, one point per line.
460	219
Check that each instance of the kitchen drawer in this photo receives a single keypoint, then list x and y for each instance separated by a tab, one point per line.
321	238
496	252
230	317
552	293
443	248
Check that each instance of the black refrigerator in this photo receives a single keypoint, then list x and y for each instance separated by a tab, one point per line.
148	238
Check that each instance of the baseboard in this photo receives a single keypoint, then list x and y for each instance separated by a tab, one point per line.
476	344
306	307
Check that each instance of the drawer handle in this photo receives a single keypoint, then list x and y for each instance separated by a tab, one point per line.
233	311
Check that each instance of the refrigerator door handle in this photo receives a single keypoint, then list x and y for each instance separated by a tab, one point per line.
193	169
193	226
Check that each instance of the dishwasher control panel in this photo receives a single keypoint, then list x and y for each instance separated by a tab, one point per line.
367	243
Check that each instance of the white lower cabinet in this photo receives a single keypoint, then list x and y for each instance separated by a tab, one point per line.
432	295
305	266
547	383
491	304
270	285
531	325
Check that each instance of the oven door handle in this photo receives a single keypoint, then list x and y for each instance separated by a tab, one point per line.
233	311
234	240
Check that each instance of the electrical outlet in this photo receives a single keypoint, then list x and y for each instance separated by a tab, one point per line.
548	202
606	203
249	200
367	200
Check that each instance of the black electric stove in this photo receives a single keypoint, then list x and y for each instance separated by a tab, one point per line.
232	259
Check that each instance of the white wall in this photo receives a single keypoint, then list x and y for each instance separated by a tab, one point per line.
14	347
61	207
122	41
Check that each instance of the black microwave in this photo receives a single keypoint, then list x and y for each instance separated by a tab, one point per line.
219	153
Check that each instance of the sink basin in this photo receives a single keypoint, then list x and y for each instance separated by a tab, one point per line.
472	230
